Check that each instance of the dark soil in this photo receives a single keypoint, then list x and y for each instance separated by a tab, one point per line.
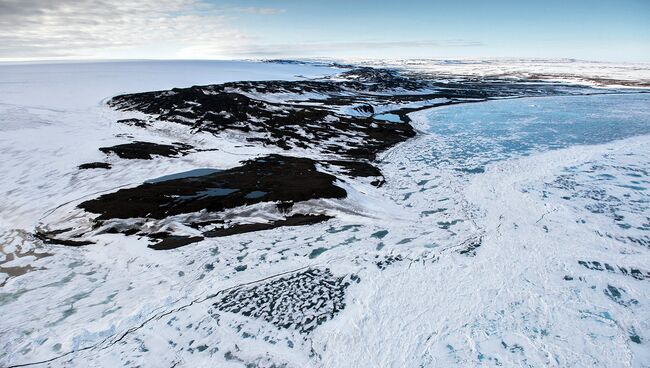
358	169
216	108
51	238
95	165
175	241
146	150
134	122
280	178
295	220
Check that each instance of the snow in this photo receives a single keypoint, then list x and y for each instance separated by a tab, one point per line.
563	70
60	106
65	86
423	297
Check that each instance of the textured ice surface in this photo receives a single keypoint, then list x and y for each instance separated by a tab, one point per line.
521	240
187	174
389	117
475	134
565	70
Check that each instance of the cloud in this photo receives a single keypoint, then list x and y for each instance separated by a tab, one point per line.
262	11
91	28
165	29
302	49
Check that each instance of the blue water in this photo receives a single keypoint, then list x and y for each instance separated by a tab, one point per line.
472	135
182	175
255	194
388	117
210	192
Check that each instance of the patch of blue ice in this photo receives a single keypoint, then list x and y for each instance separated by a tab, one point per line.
181	175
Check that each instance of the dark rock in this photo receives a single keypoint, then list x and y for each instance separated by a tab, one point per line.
134	122
95	165
50	238
281	178
145	150
294	220
175	241
358	169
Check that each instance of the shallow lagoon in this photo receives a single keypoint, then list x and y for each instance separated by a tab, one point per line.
185	174
472	135
393	118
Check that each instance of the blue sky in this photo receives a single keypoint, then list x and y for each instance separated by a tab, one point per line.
592	30
552	28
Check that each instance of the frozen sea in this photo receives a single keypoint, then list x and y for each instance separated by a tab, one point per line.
512	232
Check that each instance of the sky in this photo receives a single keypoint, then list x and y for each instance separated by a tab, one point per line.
600	30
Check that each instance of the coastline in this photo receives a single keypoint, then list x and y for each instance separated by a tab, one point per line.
397	246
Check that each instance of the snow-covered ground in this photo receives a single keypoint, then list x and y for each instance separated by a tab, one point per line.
510	232
564	70
53	118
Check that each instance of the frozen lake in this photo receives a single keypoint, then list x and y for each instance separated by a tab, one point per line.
476	134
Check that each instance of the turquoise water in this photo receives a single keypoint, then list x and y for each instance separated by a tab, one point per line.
393	118
186	174
472	135
210	192
255	194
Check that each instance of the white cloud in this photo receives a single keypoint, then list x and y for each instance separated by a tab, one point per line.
164	29
310	49
263	11
102	28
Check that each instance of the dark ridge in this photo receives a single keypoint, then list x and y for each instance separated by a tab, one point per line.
284	61
279	178
377	79
117	230
95	165
358	169
49	237
134	122
294	220
146	150
355	168
286	126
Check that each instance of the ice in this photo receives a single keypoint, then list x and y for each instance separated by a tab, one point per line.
475	134
512	232
64	86
186	174
602	74
524	298
388	117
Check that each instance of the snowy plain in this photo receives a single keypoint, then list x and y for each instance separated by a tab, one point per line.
598	74
478	251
